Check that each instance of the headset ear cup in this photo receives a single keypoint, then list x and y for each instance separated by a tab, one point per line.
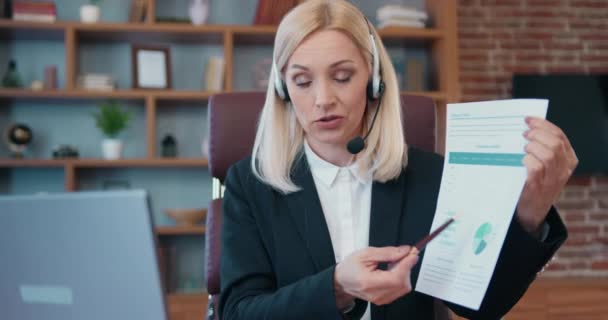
370	91
287	98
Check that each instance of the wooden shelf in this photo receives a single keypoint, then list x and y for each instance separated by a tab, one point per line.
100	163
435	95
142	32
179	230
169	95
162	95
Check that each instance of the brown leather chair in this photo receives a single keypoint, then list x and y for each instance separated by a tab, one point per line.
233	118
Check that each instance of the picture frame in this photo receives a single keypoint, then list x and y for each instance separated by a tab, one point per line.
151	66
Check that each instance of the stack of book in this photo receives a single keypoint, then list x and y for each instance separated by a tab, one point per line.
393	15
214	74
270	12
39	11
92	81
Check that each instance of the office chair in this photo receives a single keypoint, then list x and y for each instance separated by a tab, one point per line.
233	118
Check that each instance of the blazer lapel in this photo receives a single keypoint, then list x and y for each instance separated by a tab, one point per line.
307	213
388	201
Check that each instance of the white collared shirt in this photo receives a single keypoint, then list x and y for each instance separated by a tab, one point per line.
346	201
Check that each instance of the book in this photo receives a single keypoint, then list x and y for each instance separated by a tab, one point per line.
137	11
414	75
214	74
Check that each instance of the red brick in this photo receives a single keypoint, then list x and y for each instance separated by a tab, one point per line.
596	35
532	56
532	3
575	216
584	229
477	35
476	66
546	24
579	181
588	25
589	3
599	216
478	56
474	12
564	69
603	204
600	265
577	240
596	70
520	44
571	193
501	36
598	45
562	45
527	12
477	44
502	2
575	204
599	194
555	266
522	69
579	265
504	24
591	58
467	3
601	180
570	253
536	35
561	59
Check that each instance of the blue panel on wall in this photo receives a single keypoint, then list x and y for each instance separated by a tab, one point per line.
169	188
111	10
187	123
4	122
188	62
36	180
246	60
400	55
222	11
190	262
71	122
33	56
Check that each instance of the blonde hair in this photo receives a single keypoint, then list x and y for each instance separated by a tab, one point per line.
280	137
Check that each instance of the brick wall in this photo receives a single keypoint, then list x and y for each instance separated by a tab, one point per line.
502	37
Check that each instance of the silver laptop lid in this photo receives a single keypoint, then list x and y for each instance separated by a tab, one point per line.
84	255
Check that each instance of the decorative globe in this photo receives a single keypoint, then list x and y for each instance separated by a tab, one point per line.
18	136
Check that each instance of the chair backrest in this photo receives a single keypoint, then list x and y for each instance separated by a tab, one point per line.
233	119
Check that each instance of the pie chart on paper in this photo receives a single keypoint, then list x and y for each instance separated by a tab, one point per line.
480	240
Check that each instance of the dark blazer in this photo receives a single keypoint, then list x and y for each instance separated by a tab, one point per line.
278	261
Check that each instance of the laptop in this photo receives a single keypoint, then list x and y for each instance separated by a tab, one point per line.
83	255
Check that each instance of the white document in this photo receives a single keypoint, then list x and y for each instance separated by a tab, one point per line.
482	180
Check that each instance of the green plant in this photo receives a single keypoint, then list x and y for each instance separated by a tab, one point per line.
111	119
94	2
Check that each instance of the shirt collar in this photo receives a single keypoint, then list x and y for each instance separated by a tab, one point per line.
327	172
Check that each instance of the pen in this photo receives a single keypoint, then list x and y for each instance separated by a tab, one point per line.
419	246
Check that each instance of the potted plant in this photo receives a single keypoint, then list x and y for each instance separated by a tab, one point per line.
90	12
112	120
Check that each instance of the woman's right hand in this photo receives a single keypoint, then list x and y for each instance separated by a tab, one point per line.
358	275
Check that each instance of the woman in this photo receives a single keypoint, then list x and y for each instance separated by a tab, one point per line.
312	230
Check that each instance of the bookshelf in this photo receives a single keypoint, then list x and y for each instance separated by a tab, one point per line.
73	36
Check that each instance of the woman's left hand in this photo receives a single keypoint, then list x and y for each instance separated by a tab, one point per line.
550	161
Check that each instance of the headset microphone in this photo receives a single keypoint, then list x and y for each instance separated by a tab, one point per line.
357	144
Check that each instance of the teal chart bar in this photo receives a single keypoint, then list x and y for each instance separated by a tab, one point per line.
488	159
